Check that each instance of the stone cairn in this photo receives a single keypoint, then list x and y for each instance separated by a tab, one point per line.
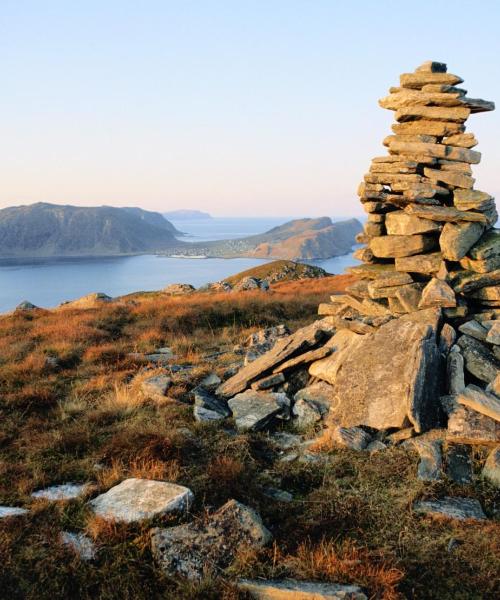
429	238
411	350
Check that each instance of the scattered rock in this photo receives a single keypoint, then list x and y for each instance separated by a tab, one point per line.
178	289
211	381
65	491
81	545
491	469
459	463
306	414
268	382
480	401
205	547
207	407
25	305
254	411
430	467
277	494
301	341
12	511
451	508
135	500
156	387
299	590
353	438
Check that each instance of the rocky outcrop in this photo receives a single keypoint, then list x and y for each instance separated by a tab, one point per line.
300	590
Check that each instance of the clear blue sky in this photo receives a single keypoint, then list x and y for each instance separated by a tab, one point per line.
237	107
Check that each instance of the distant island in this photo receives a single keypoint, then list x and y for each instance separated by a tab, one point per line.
185	214
300	239
49	230
43	229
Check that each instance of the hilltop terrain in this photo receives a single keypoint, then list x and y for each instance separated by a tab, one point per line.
51	230
102	391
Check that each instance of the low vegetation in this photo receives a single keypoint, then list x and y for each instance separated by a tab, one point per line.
71	410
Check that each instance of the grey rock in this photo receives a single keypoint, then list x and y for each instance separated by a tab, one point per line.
493	336
458	238
277	494
135	500
455	371
481	401
491	469
320	394
301	341
382	397
178	289
211	381
474	329
207	407
305	414
466	426
353	438
268	382
156	387
299	590
430	467
479	360
80	544
204	547
12	511
254	411
451	508
376	446
65	491
25	305
286	441
459	463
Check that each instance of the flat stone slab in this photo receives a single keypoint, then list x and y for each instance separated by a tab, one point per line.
389	378
288	589
12	511
65	491
208	407
482	402
135	500
460	509
254	411
301	341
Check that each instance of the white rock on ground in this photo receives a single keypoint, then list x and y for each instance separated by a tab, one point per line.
81	545
300	590
65	491
135	500
12	511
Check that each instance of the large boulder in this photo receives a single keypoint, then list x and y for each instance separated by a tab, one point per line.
389	378
204	547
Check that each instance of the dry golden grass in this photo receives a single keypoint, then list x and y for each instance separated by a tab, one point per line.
88	420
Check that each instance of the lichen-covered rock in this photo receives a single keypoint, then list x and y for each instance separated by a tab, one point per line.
135	500
386	379
254	411
491	469
460	509
204	547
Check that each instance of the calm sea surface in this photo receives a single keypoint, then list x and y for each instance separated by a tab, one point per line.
48	282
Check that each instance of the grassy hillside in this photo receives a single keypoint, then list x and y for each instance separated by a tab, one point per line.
83	419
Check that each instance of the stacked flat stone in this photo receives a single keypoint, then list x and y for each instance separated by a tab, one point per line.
430	239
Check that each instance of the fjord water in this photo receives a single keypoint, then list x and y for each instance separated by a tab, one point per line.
47	282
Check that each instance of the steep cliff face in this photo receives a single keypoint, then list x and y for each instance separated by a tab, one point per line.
51	230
